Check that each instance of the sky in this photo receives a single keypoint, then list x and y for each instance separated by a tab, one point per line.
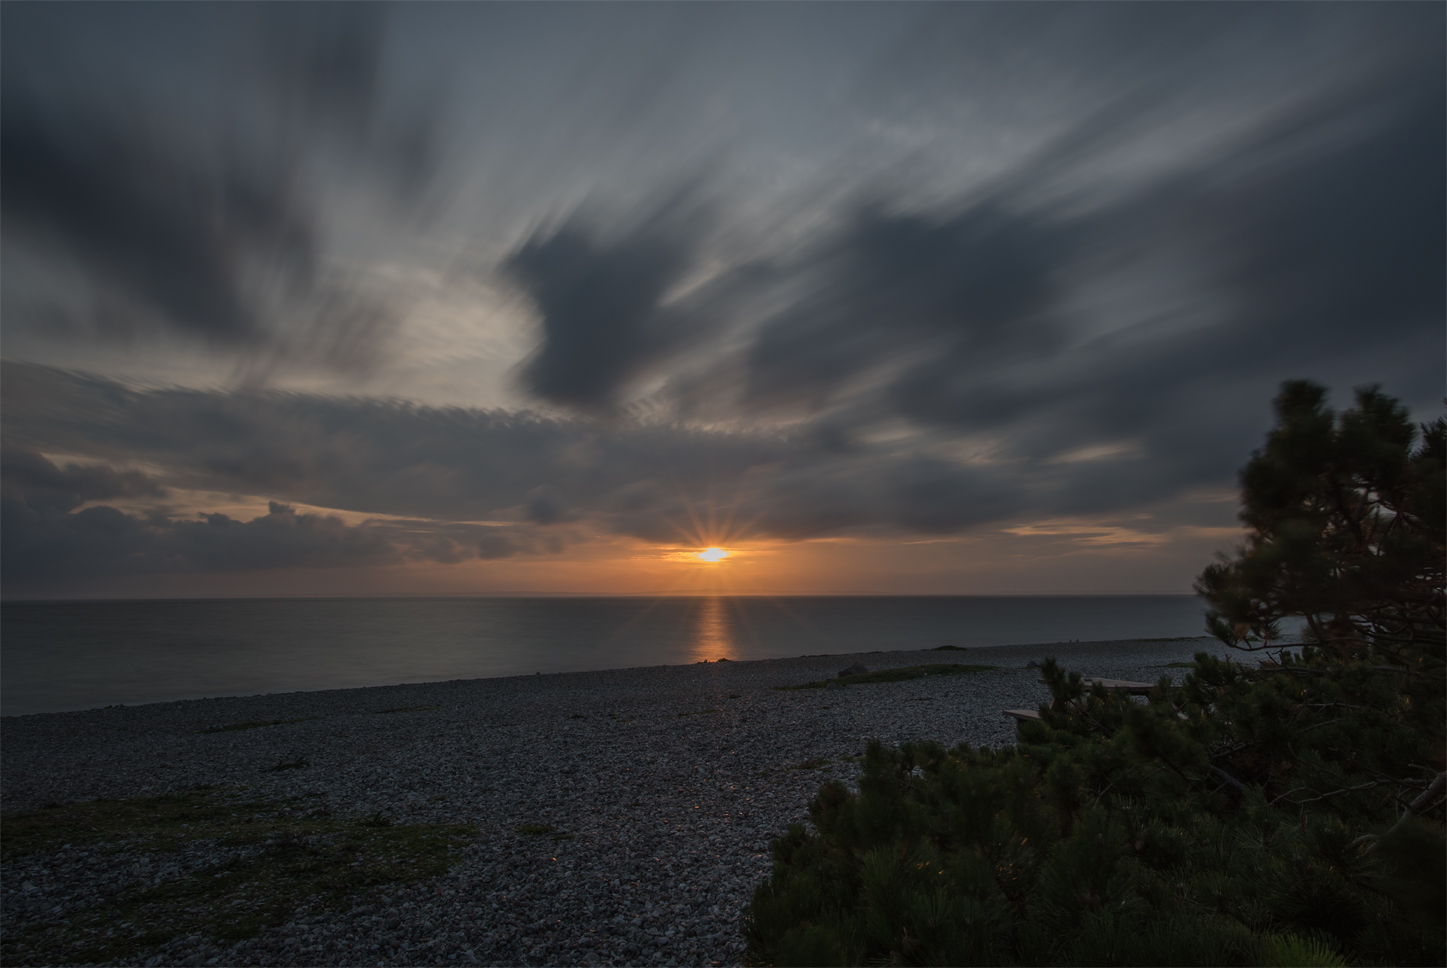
462	299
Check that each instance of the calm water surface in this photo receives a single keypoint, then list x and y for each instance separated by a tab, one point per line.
62	655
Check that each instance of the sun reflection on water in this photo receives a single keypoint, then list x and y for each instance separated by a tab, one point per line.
711	638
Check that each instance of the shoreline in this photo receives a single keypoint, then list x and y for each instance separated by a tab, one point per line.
670	780
948	650
99	654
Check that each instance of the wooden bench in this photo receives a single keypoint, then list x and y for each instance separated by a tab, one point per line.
1120	685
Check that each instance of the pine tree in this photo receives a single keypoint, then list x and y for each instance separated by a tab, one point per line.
1347	535
1347	532
1281	810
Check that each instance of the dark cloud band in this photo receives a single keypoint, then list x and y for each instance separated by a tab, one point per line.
208	229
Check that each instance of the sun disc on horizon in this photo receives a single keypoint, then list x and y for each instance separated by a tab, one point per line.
712	554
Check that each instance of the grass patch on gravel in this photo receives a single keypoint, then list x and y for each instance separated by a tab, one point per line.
1177	665
553	833
256	725
270	858
894	675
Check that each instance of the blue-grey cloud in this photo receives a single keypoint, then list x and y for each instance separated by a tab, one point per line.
1118	229
50	536
600	302
445	470
977	286
545	505
369	455
32	478
208	228
324	65
43	545
1310	242
166	237
446	466
1263	253
1318	246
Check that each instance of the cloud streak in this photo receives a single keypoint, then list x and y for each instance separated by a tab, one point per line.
176	228
1038	263
516	475
1057	306
57	529
600	304
101	541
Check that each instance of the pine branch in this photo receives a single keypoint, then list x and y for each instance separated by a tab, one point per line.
1229	779
1325	796
1231	751
1417	806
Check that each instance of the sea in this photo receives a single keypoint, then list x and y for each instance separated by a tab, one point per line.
58	656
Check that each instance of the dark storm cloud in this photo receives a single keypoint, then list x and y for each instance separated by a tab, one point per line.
600	303
1097	290
209	227
463	478
44	544
32	478
1211	198
48	539
146	224
976	284
1321	243
368	455
323	62
545	505
885	492
1322	227
1053	309
324	65
524	474
491	546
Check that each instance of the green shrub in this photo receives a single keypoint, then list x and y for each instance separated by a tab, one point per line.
1071	851
1282	811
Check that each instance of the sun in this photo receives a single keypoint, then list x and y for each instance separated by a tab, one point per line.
712	554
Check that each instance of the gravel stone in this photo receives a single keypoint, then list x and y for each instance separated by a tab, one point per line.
672	782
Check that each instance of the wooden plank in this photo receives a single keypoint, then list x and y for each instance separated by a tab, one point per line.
1120	685
1021	714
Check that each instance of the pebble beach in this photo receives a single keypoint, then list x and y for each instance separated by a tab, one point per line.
661	789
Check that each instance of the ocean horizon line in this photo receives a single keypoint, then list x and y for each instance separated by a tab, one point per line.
609	595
